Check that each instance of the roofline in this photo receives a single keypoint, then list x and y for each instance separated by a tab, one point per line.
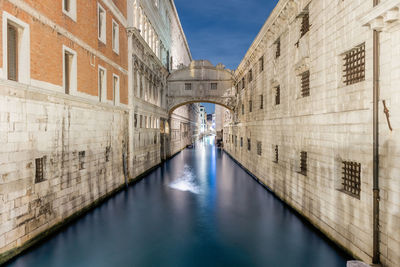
180	28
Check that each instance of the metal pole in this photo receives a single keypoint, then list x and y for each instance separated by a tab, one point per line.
375	257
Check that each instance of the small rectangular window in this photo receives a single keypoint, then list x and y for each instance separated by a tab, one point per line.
69	8
101	16
136	120
12	52
67	5
214	86
235	140
250	76
305	23
242	109
278	48
278	95
155	139
261	64
67	71
248	144
241	141
354	65
141	121
243	83
188	86
39	173
276	156
351	178
116	89
305	84
115	37
250	106
102	84
259	148
108	152
261	101
303	163
81	157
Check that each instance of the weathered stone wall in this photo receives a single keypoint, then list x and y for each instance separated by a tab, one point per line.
58	127
332	125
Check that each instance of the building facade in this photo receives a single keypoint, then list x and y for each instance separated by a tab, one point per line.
83	106
304	118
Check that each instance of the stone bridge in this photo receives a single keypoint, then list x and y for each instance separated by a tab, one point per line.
201	82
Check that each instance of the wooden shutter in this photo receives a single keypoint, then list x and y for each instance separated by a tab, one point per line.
12	52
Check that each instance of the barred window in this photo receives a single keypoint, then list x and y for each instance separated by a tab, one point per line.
243	83
248	144
305	84
136	121
242	109
303	162
278	95
259	148
12	52
250	106
81	157
250	75
39	173
261	63
305	23
241	141
108	152
261	101
276	154
188	86
351	178
214	86
278	48
354	65
235	140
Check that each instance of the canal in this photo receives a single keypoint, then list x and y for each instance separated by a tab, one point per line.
198	209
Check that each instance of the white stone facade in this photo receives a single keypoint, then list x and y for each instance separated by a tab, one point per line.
332	124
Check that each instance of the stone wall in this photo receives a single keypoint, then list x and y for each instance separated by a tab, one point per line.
81	143
332	125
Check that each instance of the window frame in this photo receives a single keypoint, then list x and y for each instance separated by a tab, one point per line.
116	91
115	38
102	92
101	33
73	70
71	13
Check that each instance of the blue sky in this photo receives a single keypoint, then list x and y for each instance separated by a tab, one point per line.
222	30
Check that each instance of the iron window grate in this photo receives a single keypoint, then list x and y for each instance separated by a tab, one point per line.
248	144
261	63
188	86
81	156
261	101
305	84
241	141
276	154
39	174
108	152
303	162
305	24
354	65
242	109
250	76
278	48
259	148
277	95
351	179
250	106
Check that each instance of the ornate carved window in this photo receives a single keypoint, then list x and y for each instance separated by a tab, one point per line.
351	178
354	65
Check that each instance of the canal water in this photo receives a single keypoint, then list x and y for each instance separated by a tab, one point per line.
198	209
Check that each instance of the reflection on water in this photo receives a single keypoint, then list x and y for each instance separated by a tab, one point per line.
198	209
186	182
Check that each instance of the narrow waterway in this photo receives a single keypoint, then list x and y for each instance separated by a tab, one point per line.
198	209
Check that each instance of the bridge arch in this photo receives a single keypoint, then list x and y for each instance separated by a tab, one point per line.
201	82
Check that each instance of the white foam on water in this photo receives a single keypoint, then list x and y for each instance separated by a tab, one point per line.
186	182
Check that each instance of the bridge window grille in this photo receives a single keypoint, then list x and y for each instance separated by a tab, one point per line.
261	63
305	23
303	163
354	65
278	48
248	144
81	157
259	148
188	86
305	84
276	156
108	152
39	173
214	86
261	101
250	106
278	95
241	141
351	178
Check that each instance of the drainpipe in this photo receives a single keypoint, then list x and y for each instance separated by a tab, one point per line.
375	257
